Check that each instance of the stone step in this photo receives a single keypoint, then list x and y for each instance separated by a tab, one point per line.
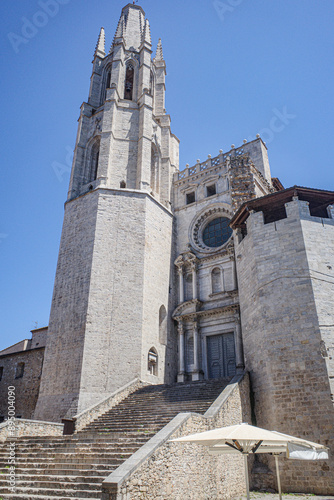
22	496
47	485
111	447
110	451
118	438
120	417
69	459
160	407
85	437
73	467
130	424
96	459
70	465
75	463
131	428
32	478
101	472
46	494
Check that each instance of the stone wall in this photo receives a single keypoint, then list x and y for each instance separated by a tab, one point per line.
34	428
108	292
282	325
156	290
63	354
161	469
319	244
26	386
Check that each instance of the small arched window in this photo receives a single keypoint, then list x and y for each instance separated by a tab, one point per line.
129	79
152	361
163	325
94	160
122	185
216	279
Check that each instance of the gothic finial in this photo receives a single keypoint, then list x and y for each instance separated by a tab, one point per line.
159	55
147	33
100	46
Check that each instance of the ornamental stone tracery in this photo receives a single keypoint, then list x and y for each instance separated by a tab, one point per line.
196	229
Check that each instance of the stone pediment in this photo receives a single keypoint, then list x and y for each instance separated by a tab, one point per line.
186	308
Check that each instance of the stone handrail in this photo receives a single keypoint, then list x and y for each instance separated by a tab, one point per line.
86	416
130	476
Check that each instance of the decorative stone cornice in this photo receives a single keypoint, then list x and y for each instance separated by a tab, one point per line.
228	310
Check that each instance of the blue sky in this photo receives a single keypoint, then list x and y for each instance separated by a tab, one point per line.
233	67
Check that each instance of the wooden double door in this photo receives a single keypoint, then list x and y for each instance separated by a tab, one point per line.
221	355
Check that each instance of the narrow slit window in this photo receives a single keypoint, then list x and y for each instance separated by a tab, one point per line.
129	77
19	370
163	325
108	79
151	83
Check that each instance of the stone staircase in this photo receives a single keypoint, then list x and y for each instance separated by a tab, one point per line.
73	467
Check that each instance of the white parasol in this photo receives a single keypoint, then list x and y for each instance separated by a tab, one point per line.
246	439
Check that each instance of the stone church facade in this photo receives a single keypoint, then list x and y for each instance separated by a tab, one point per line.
176	276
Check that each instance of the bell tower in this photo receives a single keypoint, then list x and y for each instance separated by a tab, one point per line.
111	300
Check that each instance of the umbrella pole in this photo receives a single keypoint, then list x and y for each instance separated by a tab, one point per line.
246	473
278	478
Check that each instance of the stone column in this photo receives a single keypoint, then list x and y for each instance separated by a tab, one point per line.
181	285
194	276
195	374
239	355
181	374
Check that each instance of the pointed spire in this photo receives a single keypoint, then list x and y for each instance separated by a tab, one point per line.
120	28
159	54
100	46
120	31
147	33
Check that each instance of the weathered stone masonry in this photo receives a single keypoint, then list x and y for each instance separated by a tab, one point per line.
286	289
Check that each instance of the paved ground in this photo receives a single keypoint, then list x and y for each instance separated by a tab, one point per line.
285	496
